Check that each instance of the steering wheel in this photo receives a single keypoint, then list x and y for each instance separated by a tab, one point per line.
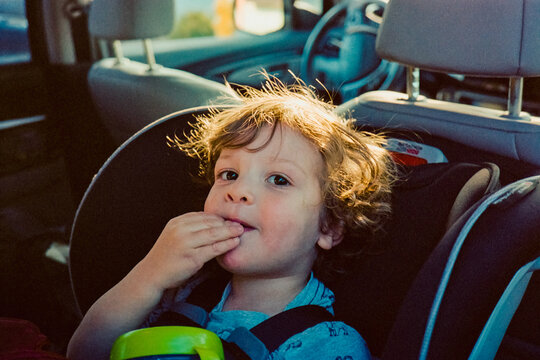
340	51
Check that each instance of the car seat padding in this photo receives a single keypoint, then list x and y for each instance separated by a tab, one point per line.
371	295
496	247
145	183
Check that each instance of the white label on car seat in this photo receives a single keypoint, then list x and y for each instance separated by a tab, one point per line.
429	153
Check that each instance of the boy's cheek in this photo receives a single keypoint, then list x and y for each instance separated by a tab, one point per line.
213	212
208	205
211	205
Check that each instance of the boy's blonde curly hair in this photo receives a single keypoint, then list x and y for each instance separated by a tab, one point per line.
358	171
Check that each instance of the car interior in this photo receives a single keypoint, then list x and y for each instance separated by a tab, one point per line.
453	275
129	95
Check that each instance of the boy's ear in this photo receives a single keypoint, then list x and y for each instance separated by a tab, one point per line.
332	236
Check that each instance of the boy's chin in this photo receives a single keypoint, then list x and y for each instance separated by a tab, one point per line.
230	261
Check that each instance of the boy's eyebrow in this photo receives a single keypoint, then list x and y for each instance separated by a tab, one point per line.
223	156
288	161
273	159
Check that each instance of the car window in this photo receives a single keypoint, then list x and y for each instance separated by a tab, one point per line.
203	18
218	19
222	17
259	17
215	19
14	46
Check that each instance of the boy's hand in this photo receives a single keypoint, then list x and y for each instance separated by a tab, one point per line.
185	245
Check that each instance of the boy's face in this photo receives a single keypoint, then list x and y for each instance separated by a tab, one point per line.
275	194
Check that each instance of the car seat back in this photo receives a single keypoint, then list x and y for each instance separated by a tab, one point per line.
425	201
128	94
490	339
137	191
474	262
431	39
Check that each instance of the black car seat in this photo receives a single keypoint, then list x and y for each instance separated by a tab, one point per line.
139	188
425	204
453	295
128	94
145	183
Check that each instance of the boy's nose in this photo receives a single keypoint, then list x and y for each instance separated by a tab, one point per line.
234	198
239	193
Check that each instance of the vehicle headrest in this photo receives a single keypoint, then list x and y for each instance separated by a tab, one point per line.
496	38
130	19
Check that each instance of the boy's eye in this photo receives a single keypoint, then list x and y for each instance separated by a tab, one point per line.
278	180
227	175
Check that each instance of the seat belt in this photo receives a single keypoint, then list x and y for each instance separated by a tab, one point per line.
506	196
491	337
255	343
277	329
77	12
260	341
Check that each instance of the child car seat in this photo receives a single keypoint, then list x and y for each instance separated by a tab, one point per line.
505	237
145	183
423	201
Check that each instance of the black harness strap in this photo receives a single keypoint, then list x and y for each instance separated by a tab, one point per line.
263	339
272	332
208	294
172	318
242	343
277	329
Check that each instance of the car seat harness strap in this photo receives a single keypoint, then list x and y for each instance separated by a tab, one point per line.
256	343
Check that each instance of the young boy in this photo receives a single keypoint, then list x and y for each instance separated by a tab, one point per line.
295	191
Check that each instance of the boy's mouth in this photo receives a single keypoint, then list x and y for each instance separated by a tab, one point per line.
246	226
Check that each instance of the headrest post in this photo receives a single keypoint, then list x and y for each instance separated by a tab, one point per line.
515	97
117	50
150	57
413	83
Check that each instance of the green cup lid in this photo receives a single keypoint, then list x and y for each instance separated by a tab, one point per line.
168	340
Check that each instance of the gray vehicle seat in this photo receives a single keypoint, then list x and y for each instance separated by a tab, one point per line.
488	38
128	94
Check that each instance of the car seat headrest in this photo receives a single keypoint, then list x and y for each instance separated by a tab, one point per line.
130	19
496	38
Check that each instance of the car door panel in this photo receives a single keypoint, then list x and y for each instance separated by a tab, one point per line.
31	167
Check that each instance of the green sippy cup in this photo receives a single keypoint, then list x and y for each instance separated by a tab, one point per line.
168	342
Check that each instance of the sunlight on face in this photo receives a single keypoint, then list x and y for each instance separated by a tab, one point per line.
275	193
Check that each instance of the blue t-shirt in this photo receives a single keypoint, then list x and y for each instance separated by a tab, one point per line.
332	340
